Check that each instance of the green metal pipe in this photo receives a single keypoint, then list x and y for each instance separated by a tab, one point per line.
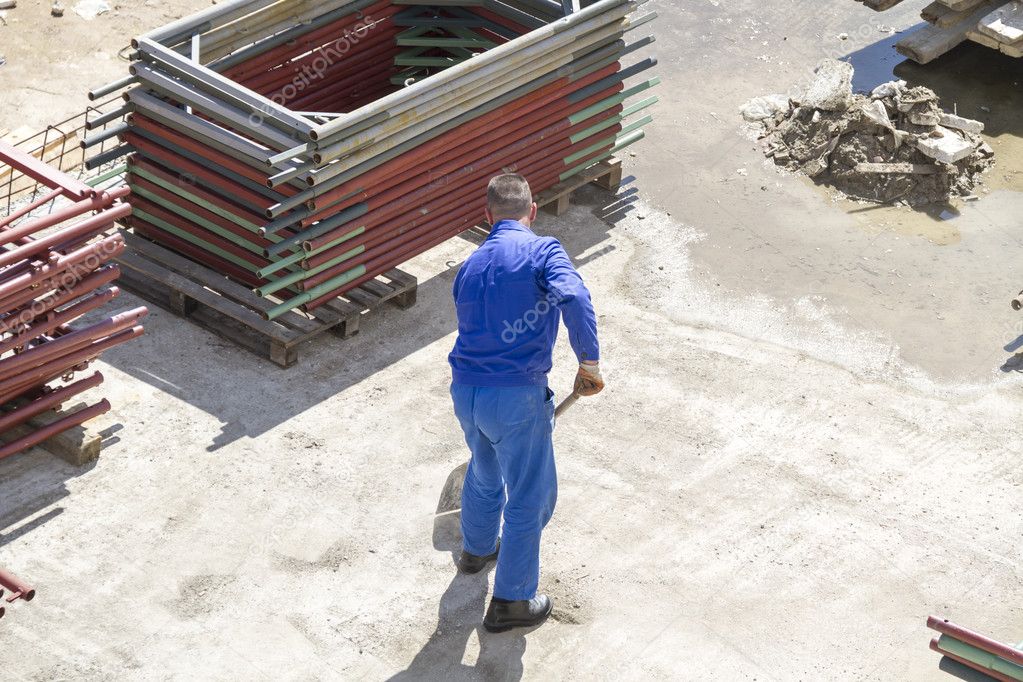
980	657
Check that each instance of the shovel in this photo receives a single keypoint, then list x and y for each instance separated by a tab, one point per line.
566	404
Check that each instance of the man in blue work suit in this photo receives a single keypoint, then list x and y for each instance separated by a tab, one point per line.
510	295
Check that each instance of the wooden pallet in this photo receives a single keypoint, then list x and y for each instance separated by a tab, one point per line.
557	199
232	311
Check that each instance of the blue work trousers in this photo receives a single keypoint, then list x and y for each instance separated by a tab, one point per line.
509	432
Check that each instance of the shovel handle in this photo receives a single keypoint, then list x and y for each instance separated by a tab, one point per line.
565	404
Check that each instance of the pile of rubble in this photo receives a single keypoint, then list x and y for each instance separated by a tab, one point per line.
895	144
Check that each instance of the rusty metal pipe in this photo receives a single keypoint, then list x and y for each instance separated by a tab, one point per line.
27	441
27	315
946	627
19	588
54	320
94	203
48	401
72	359
68	343
25	210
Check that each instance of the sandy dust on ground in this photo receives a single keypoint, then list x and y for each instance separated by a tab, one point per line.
801	453
760	494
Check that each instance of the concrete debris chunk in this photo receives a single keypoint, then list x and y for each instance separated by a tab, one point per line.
8	4
959	123
57	9
831	89
888	146
924	118
946	146
768	106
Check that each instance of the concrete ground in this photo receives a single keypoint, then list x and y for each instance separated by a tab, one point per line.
807	445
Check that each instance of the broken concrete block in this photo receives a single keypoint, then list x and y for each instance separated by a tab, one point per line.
967	125
8	4
831	89
945	146
768	106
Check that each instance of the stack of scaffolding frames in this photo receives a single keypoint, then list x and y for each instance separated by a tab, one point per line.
303	148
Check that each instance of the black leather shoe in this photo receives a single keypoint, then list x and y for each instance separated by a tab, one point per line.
505	615
470	563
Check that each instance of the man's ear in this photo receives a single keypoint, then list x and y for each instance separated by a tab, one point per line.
532	212
490	218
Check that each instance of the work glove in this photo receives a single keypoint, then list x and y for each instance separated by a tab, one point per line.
588	380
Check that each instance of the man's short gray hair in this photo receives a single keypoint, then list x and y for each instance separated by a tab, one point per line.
509	197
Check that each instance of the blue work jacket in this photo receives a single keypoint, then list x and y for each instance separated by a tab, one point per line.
510	295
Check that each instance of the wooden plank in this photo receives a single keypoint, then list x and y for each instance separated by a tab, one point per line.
568	186
930	42
1005	24
404	278
943	17
364	298
960	5
380	289
897	168
981	39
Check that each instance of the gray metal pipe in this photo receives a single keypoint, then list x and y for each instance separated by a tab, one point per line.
218	110
205	20
224	89
105	90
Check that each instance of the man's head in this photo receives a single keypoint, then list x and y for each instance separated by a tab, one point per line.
509	198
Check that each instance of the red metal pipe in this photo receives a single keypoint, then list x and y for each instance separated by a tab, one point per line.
194	252
978	640
27	316
102	251
243	211
95	203
54	320
65	345
46	175
25	210
71	359
48	431
93	224
19	588
48	401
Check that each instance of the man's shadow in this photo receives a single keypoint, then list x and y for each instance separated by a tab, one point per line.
461	612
